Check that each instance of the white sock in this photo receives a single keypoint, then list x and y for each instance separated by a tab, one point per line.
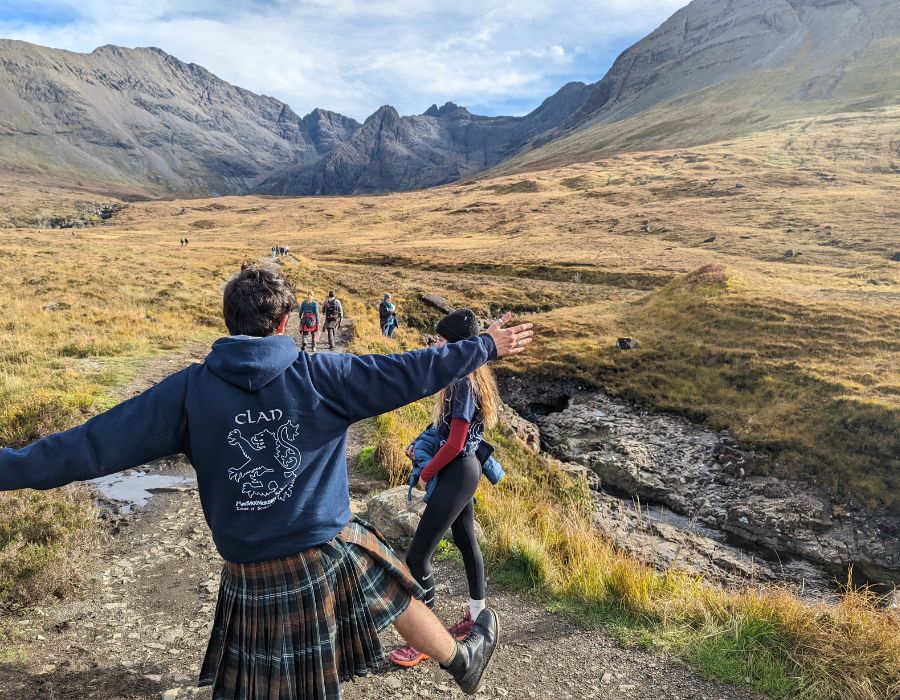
475	607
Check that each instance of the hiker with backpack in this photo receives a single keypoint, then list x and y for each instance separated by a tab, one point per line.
334	317
309	321
462	412
387	316
306	586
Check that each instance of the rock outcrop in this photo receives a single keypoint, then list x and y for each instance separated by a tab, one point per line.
699	482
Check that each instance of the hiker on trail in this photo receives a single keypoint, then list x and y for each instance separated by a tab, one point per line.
387	316
274	252
334	317
461	413
309	321
306	587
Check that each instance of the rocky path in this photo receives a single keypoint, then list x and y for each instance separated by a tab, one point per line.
140	626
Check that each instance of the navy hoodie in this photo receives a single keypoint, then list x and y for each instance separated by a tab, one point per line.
265	428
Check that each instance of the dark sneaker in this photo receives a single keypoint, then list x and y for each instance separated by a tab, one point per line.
473	654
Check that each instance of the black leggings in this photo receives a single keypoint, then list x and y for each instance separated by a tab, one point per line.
450	506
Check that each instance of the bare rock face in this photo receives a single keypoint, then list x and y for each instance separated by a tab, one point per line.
514	426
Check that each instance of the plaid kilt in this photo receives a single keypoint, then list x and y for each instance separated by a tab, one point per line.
294	628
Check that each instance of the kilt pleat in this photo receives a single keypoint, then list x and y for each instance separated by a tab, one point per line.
294	628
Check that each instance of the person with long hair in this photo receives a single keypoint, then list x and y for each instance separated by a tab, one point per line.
462	412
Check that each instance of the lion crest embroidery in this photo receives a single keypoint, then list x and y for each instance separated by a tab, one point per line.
271	462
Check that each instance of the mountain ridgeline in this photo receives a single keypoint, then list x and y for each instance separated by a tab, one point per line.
143	119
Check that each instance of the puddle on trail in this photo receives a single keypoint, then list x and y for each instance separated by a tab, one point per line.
133	488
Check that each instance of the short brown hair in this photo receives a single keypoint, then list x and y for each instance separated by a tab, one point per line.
256	299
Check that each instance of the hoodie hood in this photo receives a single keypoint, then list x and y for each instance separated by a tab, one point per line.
251	363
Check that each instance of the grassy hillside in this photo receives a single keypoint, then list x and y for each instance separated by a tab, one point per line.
540	539
747	104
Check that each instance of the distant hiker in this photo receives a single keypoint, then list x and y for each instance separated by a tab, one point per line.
274	252
461	413
306	587
334	317
181	241
309	321
185	241
387	316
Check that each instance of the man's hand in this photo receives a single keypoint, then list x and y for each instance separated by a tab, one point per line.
510	341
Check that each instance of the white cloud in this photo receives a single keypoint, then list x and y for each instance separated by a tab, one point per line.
496	56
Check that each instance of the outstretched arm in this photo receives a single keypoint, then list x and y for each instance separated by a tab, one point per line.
149	426
375	384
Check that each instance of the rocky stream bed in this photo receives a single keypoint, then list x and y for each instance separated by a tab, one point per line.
681	495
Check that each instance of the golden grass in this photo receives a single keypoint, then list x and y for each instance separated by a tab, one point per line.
541	538
798	356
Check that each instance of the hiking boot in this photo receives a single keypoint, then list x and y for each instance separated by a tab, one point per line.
474	653
462	628
407	656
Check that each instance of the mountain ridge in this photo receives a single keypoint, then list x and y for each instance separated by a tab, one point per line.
144	116
715	69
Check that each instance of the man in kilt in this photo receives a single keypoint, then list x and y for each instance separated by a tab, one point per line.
306	587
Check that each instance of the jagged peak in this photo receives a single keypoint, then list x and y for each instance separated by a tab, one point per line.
319	115
384	113
447	108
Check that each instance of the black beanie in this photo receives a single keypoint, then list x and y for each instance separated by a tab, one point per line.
459	325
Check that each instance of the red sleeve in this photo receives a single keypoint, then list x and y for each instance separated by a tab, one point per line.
459	429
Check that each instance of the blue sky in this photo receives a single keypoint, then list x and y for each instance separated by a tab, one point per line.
352	56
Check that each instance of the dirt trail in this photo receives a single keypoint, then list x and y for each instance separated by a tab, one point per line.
140	626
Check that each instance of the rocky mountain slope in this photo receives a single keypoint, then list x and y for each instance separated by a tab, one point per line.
719	68
142	117
391	152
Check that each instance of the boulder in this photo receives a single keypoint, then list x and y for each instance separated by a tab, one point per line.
393	515
896	257
437	302
711	239
627	343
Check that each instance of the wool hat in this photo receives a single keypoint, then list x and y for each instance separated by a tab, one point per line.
459	325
